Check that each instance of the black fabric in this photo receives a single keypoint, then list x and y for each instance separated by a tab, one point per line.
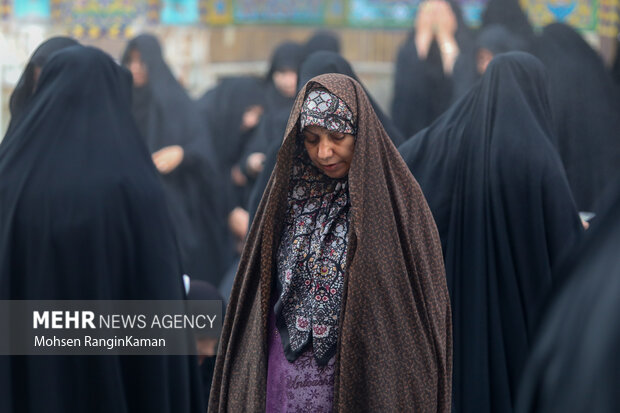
206	375
422	91
330	62
496	39
167	116
269	129
222	110
227	282
287	56
574	365
83	216
273	126
201	290
505	215
615	69
321	40
586	111
510	15
26	85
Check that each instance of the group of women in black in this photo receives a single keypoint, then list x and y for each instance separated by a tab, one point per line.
434	260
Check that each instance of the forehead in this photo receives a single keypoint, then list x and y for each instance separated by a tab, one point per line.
315	129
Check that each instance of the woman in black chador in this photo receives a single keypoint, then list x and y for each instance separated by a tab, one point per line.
505	215
281	87
28	81
281	80
423	83
182	151
510	15
586	111
230	112
490	41
83	217
574	363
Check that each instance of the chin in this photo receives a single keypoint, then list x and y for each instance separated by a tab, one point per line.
336	175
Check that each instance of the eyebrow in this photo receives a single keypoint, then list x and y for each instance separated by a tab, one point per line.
311	133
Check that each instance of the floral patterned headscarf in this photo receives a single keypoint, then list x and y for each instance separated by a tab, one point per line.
327	110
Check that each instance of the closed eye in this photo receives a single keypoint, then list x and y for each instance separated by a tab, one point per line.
311	138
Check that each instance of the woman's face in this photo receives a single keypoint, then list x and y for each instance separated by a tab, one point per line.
286	82
137	68
331	152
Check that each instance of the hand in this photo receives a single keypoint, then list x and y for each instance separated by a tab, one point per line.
585	223
424	29
445	19
207	347
238	222
256	162
237	176
167	159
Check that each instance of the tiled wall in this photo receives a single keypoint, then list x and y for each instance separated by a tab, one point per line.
199	56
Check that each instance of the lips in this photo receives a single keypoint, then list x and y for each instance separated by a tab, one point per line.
332	166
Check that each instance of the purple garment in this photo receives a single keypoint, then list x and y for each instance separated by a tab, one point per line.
300	386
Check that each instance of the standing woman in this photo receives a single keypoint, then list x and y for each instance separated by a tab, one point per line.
505	215
27	83
182	152
83	217
340	302
423	76
586	110
510	15
321	40
230	112
574	363
490	41
281	80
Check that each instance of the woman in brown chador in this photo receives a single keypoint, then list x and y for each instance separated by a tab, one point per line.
340	302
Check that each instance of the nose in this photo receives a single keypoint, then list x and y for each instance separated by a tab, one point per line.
325	149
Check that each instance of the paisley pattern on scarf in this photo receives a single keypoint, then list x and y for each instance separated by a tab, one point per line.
311	261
